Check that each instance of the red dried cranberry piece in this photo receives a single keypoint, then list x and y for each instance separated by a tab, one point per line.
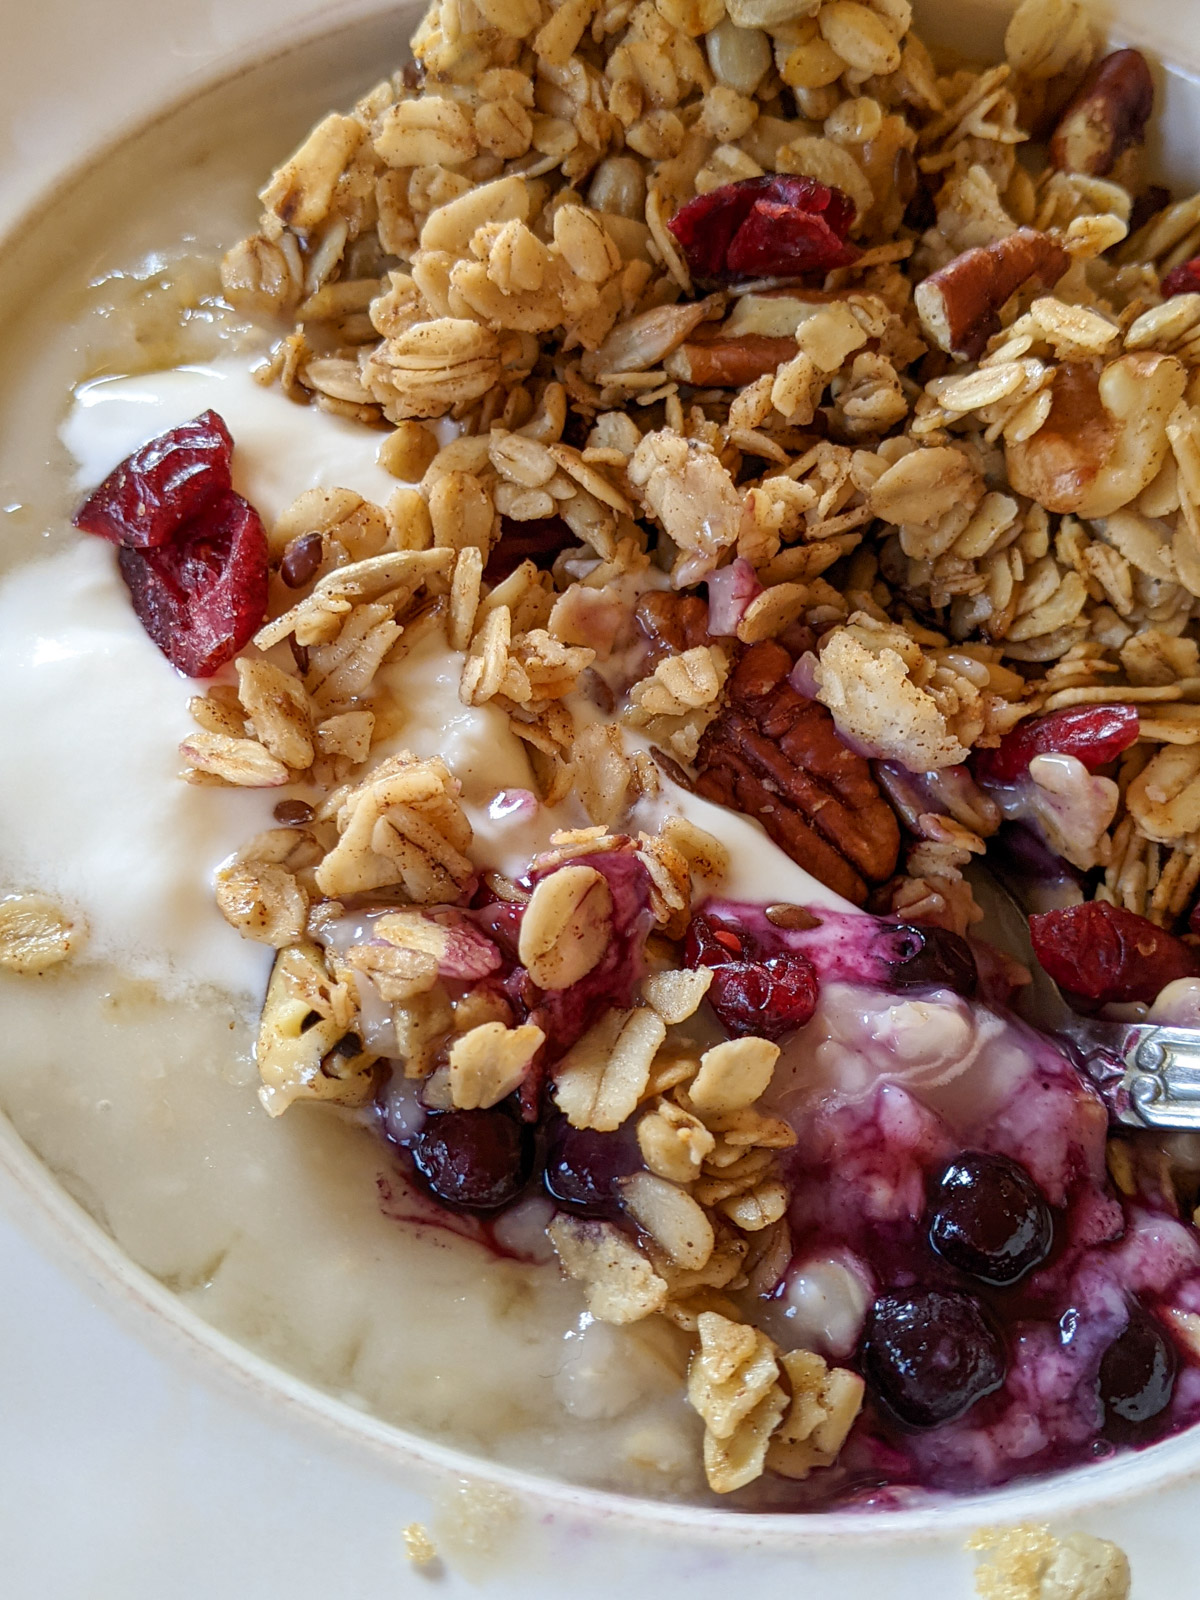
539	541
777	226
203	596
1183	279
170	480
769	997
1093	734
1105	953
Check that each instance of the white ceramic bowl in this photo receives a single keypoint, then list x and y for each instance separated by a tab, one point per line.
74	79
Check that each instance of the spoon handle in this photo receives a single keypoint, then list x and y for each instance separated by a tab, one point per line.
1148	1074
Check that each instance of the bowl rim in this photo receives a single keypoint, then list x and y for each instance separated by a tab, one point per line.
77	1242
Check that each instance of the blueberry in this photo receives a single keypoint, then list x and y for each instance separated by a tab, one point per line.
474	1160
1137	1376
582	1167
990	1219
927	958
930	1354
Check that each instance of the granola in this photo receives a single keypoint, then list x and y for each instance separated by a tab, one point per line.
818	542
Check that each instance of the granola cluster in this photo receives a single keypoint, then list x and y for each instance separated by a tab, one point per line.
950	483
983	427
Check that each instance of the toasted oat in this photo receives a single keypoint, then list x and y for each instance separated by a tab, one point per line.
690	681
600	1080
619	1284
263	901
676	994
875	703
567	926
36	933
277	708
298	1058
757	1208
242	763
422	1024
824	1403
464	596
348	734
732	1383
490	1061
685	487
396	971
403	826
673	1143
604	775
671	1217
733	1075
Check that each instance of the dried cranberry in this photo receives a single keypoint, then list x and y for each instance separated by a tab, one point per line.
1095	735
1137	1376
1183	279
1104	953
929	1355
474	1160
202	597
990	1219
583	1166
777	226
170	480
539	541
768	996
927	958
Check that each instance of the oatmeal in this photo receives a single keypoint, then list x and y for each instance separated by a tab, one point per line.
727	492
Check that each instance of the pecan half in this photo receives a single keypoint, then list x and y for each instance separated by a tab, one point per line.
1108	113
672	623
776	756
959	305
728	363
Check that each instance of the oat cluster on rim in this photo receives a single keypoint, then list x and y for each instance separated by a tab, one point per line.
753	295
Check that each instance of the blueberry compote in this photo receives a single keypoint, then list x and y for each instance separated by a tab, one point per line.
954	1235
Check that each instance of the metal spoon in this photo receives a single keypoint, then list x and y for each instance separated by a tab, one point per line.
1147	1073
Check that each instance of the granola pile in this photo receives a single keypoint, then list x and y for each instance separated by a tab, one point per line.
983	428
779	414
